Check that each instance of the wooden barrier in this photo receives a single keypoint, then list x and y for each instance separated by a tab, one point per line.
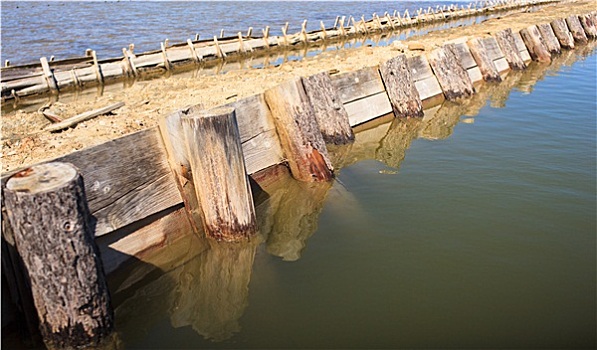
460	48
426	82
52	227
534	42
588	24
560	29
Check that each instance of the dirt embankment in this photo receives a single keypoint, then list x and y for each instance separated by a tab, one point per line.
24	142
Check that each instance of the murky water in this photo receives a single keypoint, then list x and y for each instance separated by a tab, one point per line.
67	28
471	228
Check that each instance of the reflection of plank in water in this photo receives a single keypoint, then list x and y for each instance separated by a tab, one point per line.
440	124
212	291
289	215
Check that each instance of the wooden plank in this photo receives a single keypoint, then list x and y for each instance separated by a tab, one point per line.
519	42
359	84
49	76
501	65
428	88
492	48
419	67
262	151
253	116
400	87
452	77
507	44
534	43
526	57
588	24
549	38
371	107
66	123
560	29
126	179
475	74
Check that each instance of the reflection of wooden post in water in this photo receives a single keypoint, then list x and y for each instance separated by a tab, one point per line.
292	217
397	140
213	290
440	125
47	209
218	168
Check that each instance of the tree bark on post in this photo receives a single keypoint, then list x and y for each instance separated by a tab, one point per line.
486	66
299	133
47	209
219	175
549	38
329	110
452	77
400	86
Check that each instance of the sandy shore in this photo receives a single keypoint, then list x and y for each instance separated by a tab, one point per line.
24	143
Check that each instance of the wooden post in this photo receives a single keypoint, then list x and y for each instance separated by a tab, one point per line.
50	80
560	29
249	32
400	86
193	52
299	133
218	168
452	77
165	56
534	43
485	64
304	32
329	110
47	210
549	38
241	46
576	29
129	61
323	32
505	40
96	68
219	52
588	25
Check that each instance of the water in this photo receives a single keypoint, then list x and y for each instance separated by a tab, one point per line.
472	228
67	28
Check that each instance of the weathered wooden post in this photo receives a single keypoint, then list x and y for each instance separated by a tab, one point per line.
505	40
331	116
549	38
561	32
535	44
400	86
219	175
486	66
576	29
299	133
47	209
452	77
588	25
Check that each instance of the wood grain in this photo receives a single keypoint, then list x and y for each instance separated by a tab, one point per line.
549	38
481	55
535	44
400	87
560	29
507	44
576	29
452	77
368	108
358	84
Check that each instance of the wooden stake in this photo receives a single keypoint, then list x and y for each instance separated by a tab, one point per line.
329	110
241	46
336	22
400	86
266	36
299	133
129	61
219	52
284	35
96	68
484	62
218	168
560	29
304	31
534	43
222	33
196	36
165	56
50	80
193	52
588	25
323	33
249	32
48	212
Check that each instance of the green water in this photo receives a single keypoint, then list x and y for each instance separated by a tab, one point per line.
472	228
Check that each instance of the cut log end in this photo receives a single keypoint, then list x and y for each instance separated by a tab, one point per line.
42	178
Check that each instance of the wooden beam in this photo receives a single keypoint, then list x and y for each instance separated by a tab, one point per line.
507	44
576	29
66	123
549	38
560	29
488	69
48	75
588	24
534	43
452	77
